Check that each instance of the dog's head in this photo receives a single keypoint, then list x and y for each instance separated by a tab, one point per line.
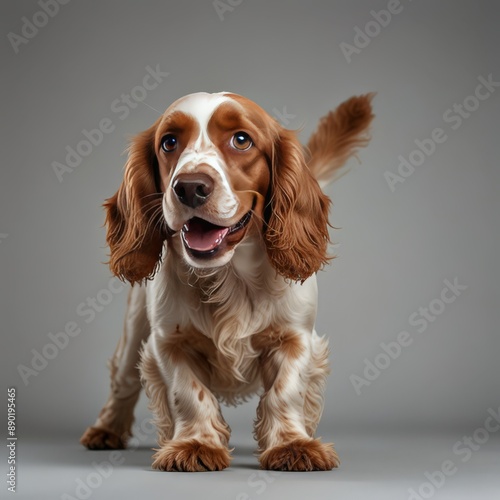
213	171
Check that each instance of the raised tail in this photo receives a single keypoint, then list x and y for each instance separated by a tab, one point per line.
339	135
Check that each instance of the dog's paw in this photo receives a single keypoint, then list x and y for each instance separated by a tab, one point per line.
300	455
191	456
95	438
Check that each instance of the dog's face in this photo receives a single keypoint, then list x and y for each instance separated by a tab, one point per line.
214	170
214	163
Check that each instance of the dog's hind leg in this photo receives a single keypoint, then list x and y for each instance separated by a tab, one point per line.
114	423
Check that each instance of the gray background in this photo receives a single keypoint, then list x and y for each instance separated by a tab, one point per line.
395	249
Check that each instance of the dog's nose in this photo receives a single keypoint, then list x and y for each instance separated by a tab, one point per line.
193	189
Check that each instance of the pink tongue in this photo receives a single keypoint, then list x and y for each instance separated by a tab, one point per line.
202	236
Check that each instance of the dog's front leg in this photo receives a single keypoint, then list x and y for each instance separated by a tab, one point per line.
193	436
288	366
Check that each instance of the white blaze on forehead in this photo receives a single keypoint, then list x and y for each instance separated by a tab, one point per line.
201	107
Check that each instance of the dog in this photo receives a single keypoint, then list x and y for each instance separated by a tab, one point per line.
221	224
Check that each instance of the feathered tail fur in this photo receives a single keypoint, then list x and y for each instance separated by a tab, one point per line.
339	135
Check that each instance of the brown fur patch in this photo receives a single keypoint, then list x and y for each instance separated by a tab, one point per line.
191	456
279	385
189	347
300	455
269	342
274	347
201	395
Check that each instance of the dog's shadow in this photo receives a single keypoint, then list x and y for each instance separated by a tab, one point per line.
139	457
244	456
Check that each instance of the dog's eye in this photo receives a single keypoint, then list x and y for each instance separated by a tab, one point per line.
169	143
241	141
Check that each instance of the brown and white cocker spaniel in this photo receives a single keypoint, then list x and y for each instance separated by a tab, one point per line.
220	224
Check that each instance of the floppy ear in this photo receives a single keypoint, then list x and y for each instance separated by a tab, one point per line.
297	215
135	232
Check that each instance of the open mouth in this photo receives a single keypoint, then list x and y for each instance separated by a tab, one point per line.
204	239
